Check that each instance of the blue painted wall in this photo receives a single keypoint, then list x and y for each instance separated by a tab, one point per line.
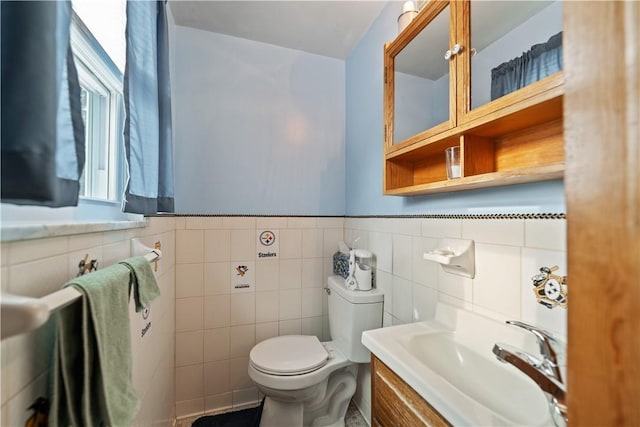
364	85
258	129
261	129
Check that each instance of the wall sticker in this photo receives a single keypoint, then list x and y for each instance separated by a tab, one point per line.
243	276
268	244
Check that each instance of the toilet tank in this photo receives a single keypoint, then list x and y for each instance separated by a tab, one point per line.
351	312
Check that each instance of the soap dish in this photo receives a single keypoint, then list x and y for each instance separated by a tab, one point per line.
456	256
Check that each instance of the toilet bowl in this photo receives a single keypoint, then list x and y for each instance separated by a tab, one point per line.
300	394
310	383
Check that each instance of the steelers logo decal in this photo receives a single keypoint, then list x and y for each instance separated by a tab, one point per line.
267	238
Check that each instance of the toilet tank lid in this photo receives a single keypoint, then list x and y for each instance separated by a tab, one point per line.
337	284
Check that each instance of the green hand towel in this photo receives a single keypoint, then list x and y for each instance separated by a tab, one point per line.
91	382
145	287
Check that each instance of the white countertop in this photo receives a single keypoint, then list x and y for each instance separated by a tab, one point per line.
469	387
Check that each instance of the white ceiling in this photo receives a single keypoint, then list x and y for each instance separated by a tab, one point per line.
330	27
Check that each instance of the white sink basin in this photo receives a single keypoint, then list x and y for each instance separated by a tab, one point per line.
449	362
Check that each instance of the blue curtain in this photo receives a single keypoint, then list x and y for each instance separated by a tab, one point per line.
540	61
147	96
42	129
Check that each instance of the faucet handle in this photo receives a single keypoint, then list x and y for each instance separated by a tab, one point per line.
550	348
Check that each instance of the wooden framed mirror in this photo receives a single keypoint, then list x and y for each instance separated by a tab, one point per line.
457	76
417	86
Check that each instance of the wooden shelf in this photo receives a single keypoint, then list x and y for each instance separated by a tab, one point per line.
535	104
519	141
494	179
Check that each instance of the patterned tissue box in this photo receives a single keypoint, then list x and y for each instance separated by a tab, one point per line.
341	264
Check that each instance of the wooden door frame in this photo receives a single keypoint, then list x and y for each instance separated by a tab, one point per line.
602	185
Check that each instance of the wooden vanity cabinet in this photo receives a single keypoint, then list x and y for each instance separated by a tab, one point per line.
514	139
396	404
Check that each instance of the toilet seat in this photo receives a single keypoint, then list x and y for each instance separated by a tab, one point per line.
289	355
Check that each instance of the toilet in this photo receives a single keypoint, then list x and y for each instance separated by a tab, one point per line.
310	383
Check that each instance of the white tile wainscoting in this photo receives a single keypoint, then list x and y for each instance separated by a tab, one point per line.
509	251
214	329
37	267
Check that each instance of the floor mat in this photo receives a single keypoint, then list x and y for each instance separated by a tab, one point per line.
244	418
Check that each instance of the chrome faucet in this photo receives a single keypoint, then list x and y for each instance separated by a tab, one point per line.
550	349
543	371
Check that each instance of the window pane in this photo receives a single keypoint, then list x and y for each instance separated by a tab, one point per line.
98	44
106	20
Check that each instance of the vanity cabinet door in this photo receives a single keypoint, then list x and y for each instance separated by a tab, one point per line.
396	404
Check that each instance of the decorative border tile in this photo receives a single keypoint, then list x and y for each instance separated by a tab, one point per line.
431	216
472	216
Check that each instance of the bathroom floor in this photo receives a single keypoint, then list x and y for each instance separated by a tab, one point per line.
353	418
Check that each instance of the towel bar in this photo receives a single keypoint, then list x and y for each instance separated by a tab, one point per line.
22	314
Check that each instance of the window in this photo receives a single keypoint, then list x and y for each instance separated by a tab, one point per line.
98	45
99	176
100	65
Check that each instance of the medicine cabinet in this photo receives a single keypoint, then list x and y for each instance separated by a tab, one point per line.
442	88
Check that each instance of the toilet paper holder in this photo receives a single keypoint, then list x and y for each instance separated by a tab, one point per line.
456	256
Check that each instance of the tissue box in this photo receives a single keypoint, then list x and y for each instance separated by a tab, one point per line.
341	264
